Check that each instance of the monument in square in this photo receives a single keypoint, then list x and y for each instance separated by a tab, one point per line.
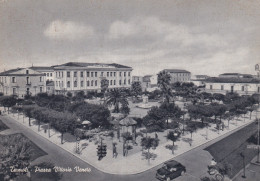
145	104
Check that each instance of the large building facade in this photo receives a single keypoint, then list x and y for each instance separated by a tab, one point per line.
76	76
242	86
21	82
178	75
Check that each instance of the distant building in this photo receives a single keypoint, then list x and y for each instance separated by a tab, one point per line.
178	75
78	76
48	71
137	78
22	81
235	75
240	85
50	89
199	80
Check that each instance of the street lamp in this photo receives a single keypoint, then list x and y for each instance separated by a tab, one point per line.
244	167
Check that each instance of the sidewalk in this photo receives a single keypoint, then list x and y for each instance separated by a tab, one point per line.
134	163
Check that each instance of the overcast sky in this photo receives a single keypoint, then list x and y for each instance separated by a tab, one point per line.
203	37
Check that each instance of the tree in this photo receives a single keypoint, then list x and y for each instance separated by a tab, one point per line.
104	86
218	96
115	98
79	97
64	122
163	82
136	89
125	109
28	111
8	102
191	127
16	151
155	116
147	143
97	114
173	136
170	110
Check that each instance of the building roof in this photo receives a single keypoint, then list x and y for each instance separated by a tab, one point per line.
230	74
11	71
176	71
41	68
84	64
232	80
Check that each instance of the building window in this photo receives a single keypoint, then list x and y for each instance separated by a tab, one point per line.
51	74
13	80
111	82
81	74
211	87
40	79
27	71
129	73
40	89
81	83
111	74
95	74
47	74
96	83
120	74
222	87
27	80
61	83
87	74
87	83
128	81
124	74
92	74
243	88
56	83
68	84
75	74
114	82
120	82
68	74
14	91
59	74
102	73
75	83
258	89
124	82
107	74
92	82
114	74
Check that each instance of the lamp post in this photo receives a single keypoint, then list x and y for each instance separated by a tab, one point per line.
244	167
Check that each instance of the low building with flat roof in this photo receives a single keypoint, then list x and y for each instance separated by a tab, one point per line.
240	85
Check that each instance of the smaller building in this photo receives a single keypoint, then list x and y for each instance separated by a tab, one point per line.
235	75
22	81
199	80
240	85
179	75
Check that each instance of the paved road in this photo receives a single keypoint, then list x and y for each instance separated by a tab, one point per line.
195	160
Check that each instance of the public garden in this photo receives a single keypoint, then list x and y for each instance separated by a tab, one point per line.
144	128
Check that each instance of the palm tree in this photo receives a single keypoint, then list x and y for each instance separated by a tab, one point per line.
115	98
104	86
164	84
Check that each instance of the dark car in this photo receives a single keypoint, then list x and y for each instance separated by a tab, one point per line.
170	170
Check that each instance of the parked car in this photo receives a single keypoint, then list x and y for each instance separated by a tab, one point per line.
170	170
